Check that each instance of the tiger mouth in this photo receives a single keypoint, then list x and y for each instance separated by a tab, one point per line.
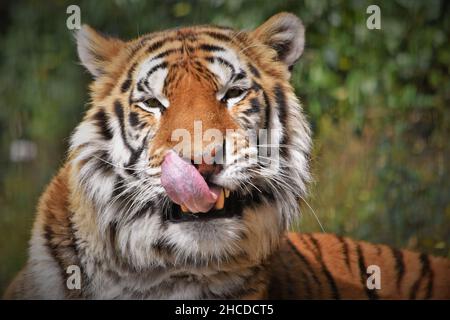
194	197
220	202
229	207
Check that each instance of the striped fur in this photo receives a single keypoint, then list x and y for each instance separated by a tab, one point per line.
326	266
107	212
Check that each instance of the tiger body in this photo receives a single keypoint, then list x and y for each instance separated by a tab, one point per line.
326	266
135	235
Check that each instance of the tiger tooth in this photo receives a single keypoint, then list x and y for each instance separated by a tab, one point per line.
227	193
184	208
220	201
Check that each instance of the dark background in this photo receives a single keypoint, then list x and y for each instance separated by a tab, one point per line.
378	102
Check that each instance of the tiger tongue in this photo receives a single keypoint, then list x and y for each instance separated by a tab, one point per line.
185	185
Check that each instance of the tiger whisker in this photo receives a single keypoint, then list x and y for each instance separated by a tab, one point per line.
314	213
119	167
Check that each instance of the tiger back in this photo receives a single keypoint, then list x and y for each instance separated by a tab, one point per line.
327	266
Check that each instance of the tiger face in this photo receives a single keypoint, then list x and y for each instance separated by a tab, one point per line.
170	154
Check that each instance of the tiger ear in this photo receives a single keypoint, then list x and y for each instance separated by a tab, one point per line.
285	33
96	51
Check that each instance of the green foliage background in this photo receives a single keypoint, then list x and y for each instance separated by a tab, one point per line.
378	102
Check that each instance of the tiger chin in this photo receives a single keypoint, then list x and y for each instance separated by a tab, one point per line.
140	221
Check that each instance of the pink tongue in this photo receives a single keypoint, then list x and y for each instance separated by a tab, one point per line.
185	185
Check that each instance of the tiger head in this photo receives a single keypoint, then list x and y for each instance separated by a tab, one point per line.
170	153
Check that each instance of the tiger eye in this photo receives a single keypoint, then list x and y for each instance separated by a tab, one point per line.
154	103
232	93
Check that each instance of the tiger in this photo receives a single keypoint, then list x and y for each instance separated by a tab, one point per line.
140	220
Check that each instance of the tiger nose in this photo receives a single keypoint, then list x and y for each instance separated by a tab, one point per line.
210	162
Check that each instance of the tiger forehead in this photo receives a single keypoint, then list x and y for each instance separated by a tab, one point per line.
190	41
192	34
210	55
193	72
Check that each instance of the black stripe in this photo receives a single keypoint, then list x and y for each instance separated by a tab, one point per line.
130	169
308	246
131	70
306	263
328	275
140	86
254	71
280	99
255	107
133	119
425	263
135	156
218	35
72	236
266	125
345	252
246	125
268	109
371	294
222	61
112	236
118	109
256	86
399	265
162	65
210	48
125	85
156	45
239	76
102	121
166	53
